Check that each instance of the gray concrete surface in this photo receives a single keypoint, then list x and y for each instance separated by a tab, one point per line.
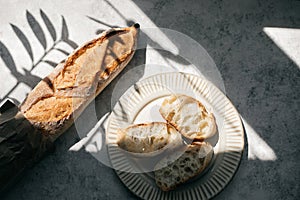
255	45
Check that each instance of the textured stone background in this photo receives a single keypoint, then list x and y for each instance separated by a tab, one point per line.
260	78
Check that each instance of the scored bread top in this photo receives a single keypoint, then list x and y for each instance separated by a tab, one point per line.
65	92
182	165
188	116
148	138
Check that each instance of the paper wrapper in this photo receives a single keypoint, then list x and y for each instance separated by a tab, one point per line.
21	145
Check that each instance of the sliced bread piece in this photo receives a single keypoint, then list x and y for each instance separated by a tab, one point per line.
181	166
188	116
148	138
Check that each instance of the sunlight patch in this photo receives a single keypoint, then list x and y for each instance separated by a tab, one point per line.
287	39
257	147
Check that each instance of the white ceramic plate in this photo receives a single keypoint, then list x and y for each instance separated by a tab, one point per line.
140	104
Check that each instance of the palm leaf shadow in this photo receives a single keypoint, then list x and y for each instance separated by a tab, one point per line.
51	63
48	24
23	40
30	79
62	51
37	29
7	58
128	22
65	34
101	22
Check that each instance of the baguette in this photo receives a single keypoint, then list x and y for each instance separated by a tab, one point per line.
148	139
27	132
179	167
188	116
60	98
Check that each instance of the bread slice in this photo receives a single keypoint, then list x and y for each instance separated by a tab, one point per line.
149	138
188	116
181	166
60	98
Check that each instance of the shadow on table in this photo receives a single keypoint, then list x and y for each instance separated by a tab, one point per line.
262	82
260	79
28	77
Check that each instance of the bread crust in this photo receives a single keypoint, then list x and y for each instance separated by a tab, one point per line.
61	97
148	139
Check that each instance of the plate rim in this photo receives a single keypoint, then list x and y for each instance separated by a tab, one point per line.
123	177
